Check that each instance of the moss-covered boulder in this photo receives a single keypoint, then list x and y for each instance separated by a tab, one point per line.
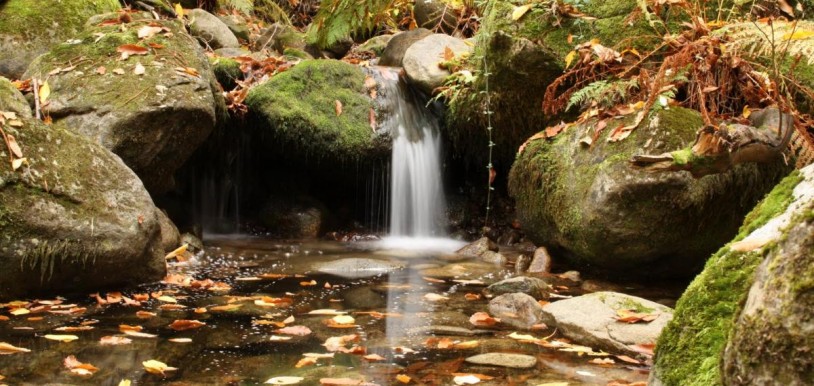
772	338
152	110
691	347
73	217
592	206
29	28
318	110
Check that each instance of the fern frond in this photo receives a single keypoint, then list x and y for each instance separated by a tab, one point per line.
757	39
245	7
270	11
605	93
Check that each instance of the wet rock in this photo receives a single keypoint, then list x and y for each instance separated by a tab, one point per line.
590	320
293	216
463	270
522	264
541	263
571	275
194	243
376	45
519	310
356	268
210	30
509	237
153	121
237	25
600	285
393	54
493	258
232	52
515	361
607	214
478	247
278	37
532	286
363	298
435	15
422	58
170	237
73	216
28	28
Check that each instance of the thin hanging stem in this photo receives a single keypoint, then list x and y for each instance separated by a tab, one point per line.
489	167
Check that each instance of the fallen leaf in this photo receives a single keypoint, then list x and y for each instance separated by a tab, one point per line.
131	49
178	253
285	380
180	340
18	162
602	361
14	146
798	35
278	338
553	384
185	324
148	31
118	71
433	297
45	92
630	316
343	382
127	327
519	11
308	283
74	328
167	299
466	344
746	112
225	308
403	378
517	336
61	338
482	319
20	311
643	348
145	314
585	373
750	244
305	362
338	343
78	368
6	349
466	379
155	367
327	311
625	358
124	382
139	69
294	330
179	10
472	296
138	334
570	58
114	340
338	107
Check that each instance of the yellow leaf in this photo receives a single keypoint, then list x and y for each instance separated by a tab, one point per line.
45	92
178	252
798	35
20	311
343	319
403	378
155	367
554	384
179	10
167	299
124	382
18	162
6	348
520	11
746	112
61	338
570	58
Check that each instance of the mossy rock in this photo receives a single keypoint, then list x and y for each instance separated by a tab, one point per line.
689	350
153	121
592	206
296	112
29	28
227	71
12	100
73	217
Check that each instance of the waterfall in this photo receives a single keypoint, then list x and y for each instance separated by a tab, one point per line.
416	195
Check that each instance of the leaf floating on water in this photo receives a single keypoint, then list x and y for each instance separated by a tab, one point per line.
278	338
127	327
114	340
433	297
74	328
374	357
124	382
138	334
177	253
343	382
180	340
78	368
155	367
285	380
61	338
6	349
185	324
167	299
294	330
327	311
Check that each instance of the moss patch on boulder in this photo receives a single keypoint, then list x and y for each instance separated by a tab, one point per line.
690	347
297	111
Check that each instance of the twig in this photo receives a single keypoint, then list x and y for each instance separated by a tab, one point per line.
36	86
133	97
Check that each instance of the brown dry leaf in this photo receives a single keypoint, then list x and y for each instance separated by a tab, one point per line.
374	357
308	283
482	319
145	314
74	328
338	107
127	327
631	316
305	362
148	31
78	368
155	367
294	330
625	358
643	348
472	296
114	340
448	54
185	324
14	146
131	49
6	349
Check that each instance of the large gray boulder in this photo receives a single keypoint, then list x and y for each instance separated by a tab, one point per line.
153	120
73	217
587	204
591	320
28	28
211	30
773	336
421	60
393	54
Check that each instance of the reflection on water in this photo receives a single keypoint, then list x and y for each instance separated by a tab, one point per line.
273	281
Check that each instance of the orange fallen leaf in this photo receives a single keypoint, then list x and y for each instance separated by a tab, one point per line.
145	314
131	49
186	324
482	319
294	330
472	296
602	361
6	349
308	283
403	378
78	368
338	107
643	348
305	362
114	340
374	357
127	327
625	358
74	328
630	316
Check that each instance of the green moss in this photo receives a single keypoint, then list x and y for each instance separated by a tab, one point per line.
296	53
29	18
690	347
298	108
227	72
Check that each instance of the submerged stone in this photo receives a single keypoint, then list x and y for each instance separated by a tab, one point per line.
515	361
357	267
517	309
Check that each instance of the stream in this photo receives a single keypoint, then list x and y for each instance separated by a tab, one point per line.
395	315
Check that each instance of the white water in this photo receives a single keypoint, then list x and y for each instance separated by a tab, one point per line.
416	196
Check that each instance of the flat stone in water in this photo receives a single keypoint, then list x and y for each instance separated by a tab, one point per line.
357	268
515	361
441	330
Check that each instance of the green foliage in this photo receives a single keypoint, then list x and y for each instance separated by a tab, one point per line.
265	9
341	19
606	93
